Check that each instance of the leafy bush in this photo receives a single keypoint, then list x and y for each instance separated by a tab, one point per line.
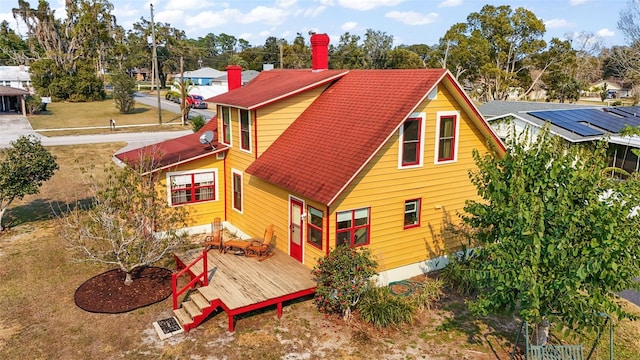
428	293
34	104
380	308
197	122
457	274
342	277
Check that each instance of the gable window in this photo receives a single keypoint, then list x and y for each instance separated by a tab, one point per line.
411	142
411	213
192	188
447	137
352	227
237	190
314	227
245	131
226	125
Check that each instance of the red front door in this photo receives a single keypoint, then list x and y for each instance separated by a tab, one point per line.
295	229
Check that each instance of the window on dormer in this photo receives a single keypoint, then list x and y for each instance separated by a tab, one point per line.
245	130
226	125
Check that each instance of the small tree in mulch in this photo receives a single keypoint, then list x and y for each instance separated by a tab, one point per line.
343	277
129	222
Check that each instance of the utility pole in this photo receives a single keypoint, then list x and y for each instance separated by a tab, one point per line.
182	92
155	65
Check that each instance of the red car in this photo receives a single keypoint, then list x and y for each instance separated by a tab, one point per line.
196	102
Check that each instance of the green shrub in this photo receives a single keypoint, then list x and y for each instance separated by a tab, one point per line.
457	275
197	122
380	308
342	277
428	292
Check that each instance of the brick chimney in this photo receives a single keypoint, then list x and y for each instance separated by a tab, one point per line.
234	76
319	52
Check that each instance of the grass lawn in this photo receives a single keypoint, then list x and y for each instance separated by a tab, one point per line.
62	115
39	320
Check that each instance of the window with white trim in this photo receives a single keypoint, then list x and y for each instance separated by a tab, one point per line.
411	213
226	125
411	143
447	129
352	227
314	227
245	130
185	188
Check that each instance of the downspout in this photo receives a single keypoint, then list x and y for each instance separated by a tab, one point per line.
328	231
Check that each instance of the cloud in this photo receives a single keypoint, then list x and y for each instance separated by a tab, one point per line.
605	33
577	2
558	23
187	4
315	11
412	17
266	15
367	4
286	4
450	3
349	25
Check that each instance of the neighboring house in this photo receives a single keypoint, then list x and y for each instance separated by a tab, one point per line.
574	123
209	82
363	158
15	84
615	90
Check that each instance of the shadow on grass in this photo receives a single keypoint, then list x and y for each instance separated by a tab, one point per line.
139	110
41	209
498	333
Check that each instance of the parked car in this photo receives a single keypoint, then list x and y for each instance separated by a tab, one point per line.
196	102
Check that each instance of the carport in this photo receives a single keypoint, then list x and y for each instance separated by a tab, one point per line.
13	99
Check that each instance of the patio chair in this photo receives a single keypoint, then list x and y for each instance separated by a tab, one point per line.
215	239
262	247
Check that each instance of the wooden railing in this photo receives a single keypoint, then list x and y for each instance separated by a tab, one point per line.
201	278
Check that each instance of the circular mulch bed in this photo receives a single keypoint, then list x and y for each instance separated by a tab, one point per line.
107	293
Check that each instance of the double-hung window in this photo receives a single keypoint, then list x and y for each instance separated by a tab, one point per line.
226	125
314	227
410	153
192	187
245	130
352	227
447	136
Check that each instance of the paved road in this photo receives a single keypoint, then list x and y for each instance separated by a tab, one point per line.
152	100
13	126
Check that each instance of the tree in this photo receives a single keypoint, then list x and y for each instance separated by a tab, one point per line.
347	54
376	47
13	50
74	49
556	238
129	223
123	91
183	86
23	168
492	48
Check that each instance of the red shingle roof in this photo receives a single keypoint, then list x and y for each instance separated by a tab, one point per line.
174	151
327	146
275	85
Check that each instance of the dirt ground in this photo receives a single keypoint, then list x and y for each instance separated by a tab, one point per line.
39	319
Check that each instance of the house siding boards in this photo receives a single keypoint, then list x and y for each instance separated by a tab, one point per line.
442	188
204	212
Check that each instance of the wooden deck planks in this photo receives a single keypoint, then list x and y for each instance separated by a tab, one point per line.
240	281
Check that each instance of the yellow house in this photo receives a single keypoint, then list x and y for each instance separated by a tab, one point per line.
375	158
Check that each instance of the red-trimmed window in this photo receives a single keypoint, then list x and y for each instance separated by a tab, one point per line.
226	125
412	213
447	138
352	227
411	148
314	227
245	134
192	188
237	190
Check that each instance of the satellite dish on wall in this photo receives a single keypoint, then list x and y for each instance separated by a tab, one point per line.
206	138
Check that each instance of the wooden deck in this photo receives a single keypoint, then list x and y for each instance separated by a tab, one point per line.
240	284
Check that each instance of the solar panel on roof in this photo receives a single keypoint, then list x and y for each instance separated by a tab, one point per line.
567	121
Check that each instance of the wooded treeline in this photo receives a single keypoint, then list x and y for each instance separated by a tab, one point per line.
498	52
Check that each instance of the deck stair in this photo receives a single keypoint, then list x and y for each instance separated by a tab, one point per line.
236	285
